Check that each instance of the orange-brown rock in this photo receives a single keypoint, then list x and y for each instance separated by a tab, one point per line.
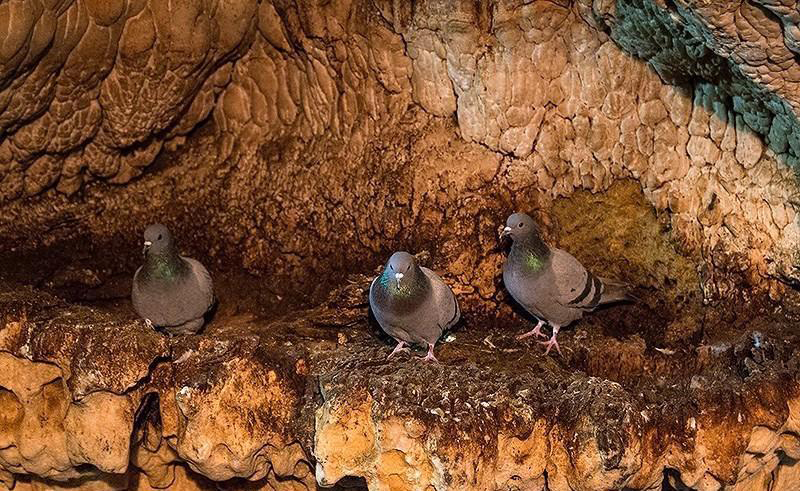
292	144
254	118
309	398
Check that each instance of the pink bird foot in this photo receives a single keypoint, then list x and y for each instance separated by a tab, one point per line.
401	346
429	357
550	343
536	331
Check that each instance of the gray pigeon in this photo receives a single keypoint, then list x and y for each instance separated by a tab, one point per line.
550	283
169	290
412	304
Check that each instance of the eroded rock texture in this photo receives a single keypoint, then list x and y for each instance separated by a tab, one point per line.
81	387
348	125
299	140
92	400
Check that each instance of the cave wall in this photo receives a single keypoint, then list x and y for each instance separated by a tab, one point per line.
562	100
93	401
656	140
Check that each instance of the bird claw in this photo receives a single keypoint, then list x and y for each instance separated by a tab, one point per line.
536	331
148	323
550	343
400	347
429	357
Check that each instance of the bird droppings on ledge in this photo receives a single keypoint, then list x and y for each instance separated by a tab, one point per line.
614	409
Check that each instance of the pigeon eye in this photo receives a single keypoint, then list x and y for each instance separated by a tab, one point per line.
159	237
391	267
520	225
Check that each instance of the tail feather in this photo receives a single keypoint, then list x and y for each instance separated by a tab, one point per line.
614	291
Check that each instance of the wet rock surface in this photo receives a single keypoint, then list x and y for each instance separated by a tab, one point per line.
92	398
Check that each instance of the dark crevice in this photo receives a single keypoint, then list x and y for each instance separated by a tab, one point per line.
672	481
147	423
351	483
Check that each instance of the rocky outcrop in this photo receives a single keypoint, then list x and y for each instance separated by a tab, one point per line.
560	98
95	400
87	396
96	88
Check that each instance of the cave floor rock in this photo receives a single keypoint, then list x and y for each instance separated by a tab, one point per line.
287	401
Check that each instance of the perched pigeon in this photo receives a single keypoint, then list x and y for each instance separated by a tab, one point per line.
550	283
412	304
169	290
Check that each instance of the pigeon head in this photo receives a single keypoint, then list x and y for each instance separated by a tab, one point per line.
401	268
520	226
157	240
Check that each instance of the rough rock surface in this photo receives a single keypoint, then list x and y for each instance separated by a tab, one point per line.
92	399
291	131
288	142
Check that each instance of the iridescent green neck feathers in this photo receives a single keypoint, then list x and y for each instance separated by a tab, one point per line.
531	252
402	288
164	267
533	262
403	296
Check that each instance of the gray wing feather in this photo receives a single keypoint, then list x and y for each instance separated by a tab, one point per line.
205	286
556	293
574	286
444	301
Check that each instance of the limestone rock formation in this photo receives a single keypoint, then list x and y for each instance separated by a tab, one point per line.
239	102
296	142
101	402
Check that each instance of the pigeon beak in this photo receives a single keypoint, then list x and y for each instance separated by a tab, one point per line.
147	245
398	277
505	233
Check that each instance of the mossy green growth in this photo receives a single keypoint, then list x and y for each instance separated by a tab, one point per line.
617	234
